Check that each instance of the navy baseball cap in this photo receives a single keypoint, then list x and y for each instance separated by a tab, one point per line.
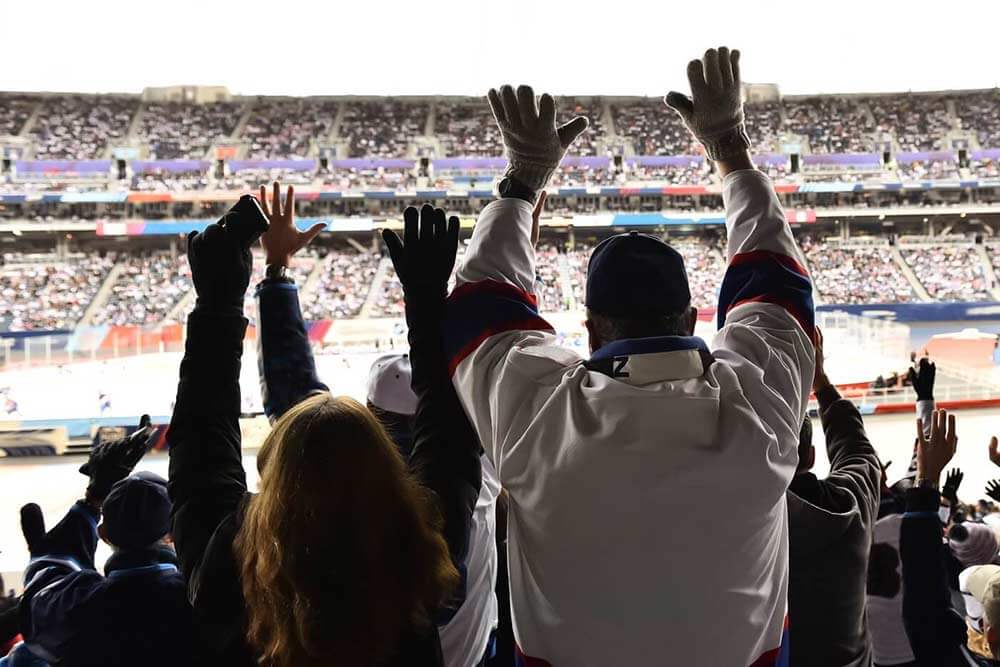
137	511
636	275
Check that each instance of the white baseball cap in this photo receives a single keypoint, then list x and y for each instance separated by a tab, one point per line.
389	385
980	586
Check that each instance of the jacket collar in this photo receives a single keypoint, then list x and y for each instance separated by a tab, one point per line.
152	559
640	361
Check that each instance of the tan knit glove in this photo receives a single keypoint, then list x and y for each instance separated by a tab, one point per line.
715	114
534	144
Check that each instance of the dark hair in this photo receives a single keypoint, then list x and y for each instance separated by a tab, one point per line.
958	533
883	571
610	329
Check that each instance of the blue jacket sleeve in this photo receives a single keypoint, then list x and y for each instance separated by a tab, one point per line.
284	360
60	582
936	631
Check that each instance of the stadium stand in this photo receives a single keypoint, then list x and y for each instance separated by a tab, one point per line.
81	128
14	113
653	128
343	287
285	129
383	128
949	272
466	129
46	293
146	290
176	131
860	274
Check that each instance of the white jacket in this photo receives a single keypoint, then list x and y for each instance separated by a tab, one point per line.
647	519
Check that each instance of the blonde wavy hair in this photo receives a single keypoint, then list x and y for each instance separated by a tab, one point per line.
340	553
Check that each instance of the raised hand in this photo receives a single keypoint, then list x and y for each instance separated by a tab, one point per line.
922	379
993	489
934	453
994	454
110	462
714	112
820	380
534	144
424	259
952	481
282	238
220	256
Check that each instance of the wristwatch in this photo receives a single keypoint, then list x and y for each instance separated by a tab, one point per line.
509	188
277	273
927	484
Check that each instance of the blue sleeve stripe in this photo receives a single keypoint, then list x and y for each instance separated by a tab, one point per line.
477	311
766	277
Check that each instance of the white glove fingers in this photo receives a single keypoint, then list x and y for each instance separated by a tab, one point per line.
734	60
713	77
546	110
696	77
496	106
725	67
510	107
526	106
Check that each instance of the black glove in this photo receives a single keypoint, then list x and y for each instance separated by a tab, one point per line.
951	483
923	379
111	462
993	489
220	256
424	260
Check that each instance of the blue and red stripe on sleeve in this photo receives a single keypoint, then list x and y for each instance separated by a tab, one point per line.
477	311
762	276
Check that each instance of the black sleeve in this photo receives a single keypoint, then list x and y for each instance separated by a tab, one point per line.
854	465
936	631
446	452
207	481
284	361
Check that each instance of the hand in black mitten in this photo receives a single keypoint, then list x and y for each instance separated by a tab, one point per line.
111	462
952	481
425	257
220	256
993	489
33	529
922	379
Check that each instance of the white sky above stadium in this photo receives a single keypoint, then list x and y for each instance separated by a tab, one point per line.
610	47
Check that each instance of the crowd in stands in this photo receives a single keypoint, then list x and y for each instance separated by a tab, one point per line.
466	129
81	128
653	128
14	113
159	181
949	272
977	112
832	125
919	123
146	291
176	131
861	274
150	285
343	286
49	296
285	129
936	169
650	503
382	129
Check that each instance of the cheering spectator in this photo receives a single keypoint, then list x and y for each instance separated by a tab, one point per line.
936	631
138	613
646	370
830	525
340	531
